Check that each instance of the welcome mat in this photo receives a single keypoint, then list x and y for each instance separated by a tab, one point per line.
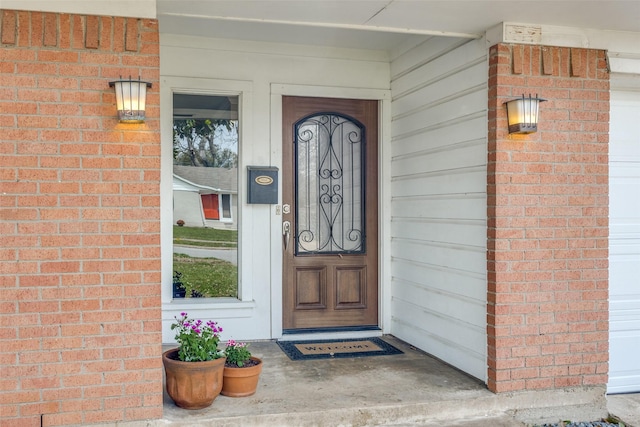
330	349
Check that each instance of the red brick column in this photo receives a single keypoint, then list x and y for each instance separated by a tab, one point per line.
80	320
548	221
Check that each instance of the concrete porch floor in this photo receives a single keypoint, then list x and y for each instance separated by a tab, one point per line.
412	389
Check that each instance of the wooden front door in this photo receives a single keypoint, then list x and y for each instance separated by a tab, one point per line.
330	213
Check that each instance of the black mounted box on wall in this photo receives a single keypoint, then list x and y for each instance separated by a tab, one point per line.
262	185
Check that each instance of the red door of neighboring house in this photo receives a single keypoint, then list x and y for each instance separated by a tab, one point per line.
210	206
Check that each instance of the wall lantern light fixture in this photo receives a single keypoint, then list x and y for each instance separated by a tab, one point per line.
131	97
522	114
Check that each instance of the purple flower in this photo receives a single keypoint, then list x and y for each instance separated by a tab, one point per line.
198	339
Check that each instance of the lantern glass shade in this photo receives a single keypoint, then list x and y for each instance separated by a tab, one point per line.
131	97
522	114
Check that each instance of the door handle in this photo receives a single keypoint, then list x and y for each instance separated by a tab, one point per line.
286	233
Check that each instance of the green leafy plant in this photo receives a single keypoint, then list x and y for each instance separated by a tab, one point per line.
198	340
179	291
237	353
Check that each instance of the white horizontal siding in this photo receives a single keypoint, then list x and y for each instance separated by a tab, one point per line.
624	236
438	210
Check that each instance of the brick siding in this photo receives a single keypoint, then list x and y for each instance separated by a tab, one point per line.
80	331
548	221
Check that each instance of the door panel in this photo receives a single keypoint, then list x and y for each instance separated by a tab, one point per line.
330	182
351	289
311	288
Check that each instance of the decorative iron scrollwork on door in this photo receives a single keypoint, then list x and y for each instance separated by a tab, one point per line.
330	185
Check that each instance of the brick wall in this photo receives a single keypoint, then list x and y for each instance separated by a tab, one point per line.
548	221
80	337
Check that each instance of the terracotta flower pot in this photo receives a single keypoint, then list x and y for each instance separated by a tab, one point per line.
192	385
241	382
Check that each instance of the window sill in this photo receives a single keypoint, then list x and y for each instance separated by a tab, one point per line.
220	308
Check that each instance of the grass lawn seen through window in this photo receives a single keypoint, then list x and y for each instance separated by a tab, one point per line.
207	237
209	277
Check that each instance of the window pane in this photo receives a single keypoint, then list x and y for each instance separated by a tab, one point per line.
329	185
205	177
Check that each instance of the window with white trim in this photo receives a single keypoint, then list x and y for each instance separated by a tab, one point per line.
205	179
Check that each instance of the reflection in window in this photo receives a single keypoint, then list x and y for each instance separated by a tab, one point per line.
205	189
226	206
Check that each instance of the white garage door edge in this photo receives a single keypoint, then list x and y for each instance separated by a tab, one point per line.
624	235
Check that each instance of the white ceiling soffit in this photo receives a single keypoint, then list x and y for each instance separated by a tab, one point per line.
124	8
281	33
381	24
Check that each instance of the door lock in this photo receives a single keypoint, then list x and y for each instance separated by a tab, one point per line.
286	209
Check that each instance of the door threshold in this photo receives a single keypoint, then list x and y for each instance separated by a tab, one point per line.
330	333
